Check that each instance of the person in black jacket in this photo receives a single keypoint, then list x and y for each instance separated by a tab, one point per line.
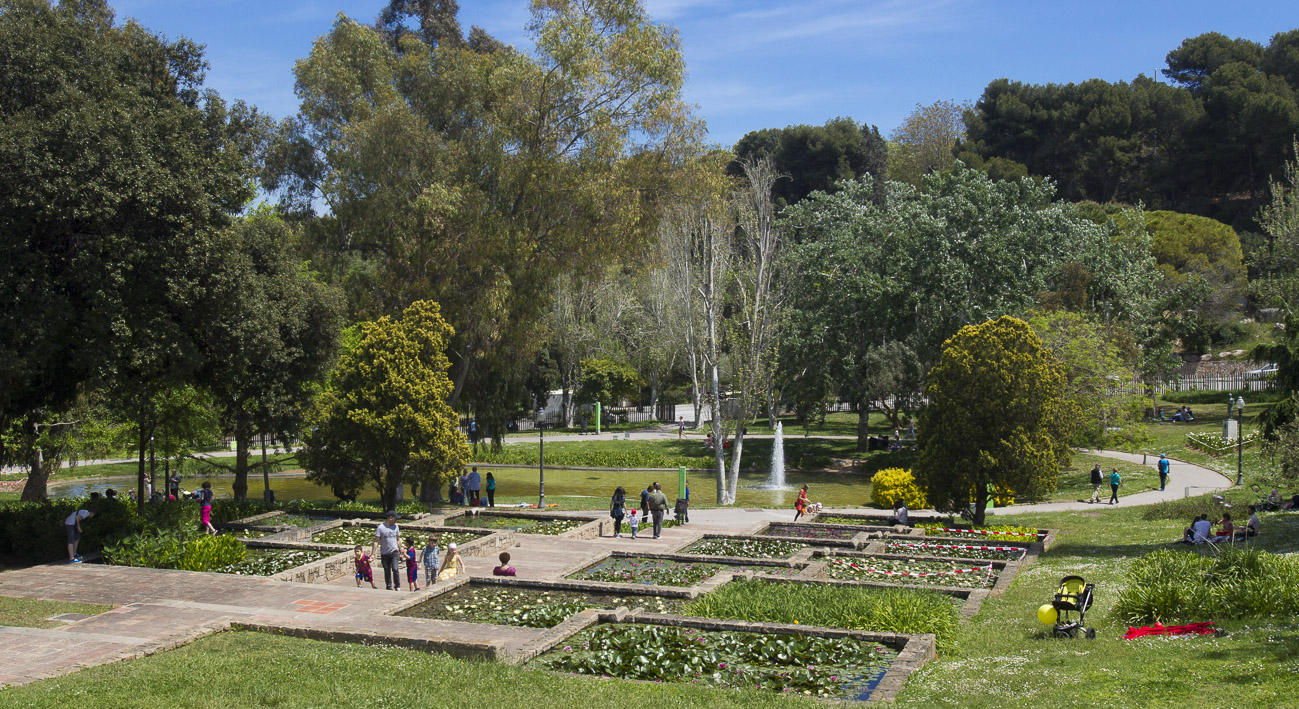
1097	477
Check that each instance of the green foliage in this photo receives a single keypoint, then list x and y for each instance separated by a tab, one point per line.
997	417
592	456
661	572
893	484
268	562
1095	373
1186	509
814	158
824	667
189	551
926	141
748	548
1016	533
36	613
608	381
1182	586
527	607
385	418
33	531
855	608
118	168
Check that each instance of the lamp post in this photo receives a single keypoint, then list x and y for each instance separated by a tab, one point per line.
541	432
1240	436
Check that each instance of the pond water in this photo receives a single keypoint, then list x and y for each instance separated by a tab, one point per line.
831	489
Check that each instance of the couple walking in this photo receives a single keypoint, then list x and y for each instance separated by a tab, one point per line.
653	503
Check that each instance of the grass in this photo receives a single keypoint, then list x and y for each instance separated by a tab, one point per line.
193	469
885	610
1074	482
267	670
1005	658
34	613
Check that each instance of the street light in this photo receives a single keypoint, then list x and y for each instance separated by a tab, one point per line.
1240	436
541	431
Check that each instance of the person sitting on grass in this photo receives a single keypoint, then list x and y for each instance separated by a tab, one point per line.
504	569
1225	528
1198	532
1251	527
457	497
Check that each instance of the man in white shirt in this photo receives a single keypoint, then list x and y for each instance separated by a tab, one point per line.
387	543
1201	530
73	526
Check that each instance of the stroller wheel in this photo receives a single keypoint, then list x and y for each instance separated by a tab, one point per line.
1063	633
1090	634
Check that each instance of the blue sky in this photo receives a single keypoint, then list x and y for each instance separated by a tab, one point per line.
763	63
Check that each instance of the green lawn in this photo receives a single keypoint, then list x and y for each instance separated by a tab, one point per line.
33	613
1074	482
193	468
243	669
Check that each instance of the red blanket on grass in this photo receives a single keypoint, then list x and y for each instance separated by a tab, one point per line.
1161	629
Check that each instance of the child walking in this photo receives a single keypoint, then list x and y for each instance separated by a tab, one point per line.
412	564
363	572
431	561
633	521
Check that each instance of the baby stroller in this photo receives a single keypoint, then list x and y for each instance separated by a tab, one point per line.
682	510
1074	596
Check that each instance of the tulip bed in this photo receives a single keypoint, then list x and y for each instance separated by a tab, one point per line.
747	548
268	562
839	668
661	572
893	571
970	551
364	536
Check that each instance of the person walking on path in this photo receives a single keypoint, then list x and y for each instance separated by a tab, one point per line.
681	428
1097	478
617	509
387	543
205	507
1163	471
491	490
801	503
1115	479
73	526
473	484
658	504
644	501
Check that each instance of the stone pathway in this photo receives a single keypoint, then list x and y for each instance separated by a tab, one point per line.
158	609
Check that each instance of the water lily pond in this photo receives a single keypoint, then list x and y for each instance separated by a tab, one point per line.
529	607
364	535
668	572
841	668
744	547
527	525
807	531
268	562
910	571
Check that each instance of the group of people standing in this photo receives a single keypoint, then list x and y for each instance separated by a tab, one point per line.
466	490
653	505
388	546
1099	478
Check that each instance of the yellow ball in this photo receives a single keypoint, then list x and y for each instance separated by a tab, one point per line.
1047	614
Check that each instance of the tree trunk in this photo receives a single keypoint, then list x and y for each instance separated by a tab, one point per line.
773	416
863	422
140	502
566	406
737	450
36	488
718	452
243	439
980	502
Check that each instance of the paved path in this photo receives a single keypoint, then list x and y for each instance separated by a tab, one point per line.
158	609
1181	475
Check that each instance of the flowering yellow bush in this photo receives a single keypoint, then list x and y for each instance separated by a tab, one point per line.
894	483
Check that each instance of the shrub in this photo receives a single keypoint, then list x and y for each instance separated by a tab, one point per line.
833	606
175	550
892	484
32	532
1184	585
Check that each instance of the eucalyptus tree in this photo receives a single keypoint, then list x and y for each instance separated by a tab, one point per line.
475	176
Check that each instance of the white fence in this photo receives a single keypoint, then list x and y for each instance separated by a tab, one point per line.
1218	382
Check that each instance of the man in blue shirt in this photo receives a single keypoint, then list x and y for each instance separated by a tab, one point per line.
1163	471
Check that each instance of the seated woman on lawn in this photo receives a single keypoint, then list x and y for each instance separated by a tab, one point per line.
1226	529
1251	527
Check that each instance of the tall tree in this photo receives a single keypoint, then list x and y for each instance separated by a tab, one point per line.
926	141
273	339
814	158
997	416
117	169
385	419
476	178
